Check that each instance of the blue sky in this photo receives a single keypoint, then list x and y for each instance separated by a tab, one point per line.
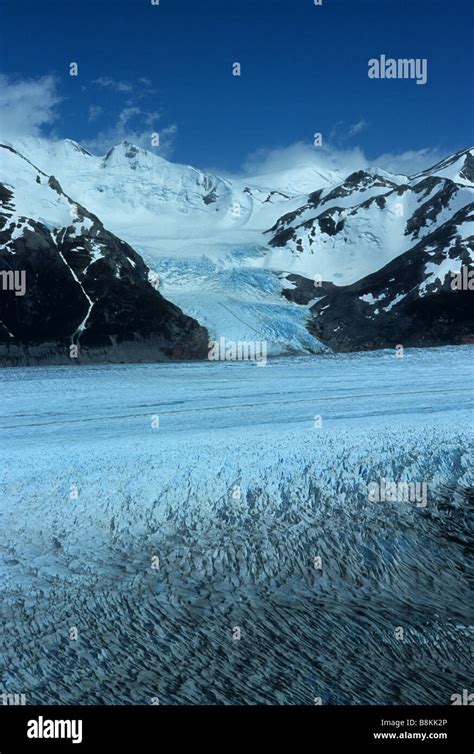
168	68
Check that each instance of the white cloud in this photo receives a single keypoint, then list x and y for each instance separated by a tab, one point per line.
27	105
343	160
300	154
411	162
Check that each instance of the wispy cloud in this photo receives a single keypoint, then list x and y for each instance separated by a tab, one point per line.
339	159
106	82
137	126
410	162
31	107
342	132
356	128
132	120
95	111
136	90
28	106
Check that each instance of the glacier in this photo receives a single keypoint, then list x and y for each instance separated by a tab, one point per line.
204	531
222	246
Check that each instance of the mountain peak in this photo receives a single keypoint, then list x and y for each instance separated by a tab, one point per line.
130	155
76	147
123	147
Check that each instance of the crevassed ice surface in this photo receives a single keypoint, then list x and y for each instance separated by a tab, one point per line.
233	499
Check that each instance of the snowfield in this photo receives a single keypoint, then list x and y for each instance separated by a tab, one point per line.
207	530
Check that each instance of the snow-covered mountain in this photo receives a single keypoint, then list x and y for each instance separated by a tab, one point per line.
131	186
422	297
239	254
348	232
67	281
393	261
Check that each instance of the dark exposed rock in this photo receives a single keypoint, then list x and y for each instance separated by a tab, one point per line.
328	224
305	290
211	197
282	238
315	197
359	181
429	211
274	193
468	170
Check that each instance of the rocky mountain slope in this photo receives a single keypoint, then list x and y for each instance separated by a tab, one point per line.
87	294
354	229
393	264
421	298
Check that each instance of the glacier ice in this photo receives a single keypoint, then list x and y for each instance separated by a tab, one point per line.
238	512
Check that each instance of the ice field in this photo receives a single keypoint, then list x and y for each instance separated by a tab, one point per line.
202	532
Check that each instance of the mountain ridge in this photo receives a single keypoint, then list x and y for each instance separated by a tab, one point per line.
226	250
